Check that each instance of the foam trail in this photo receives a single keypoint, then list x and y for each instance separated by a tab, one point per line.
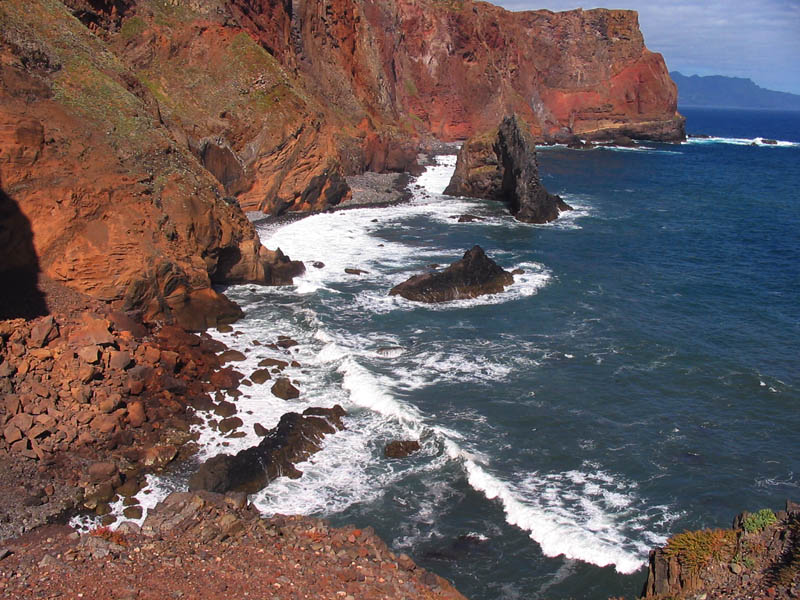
598	540
557	535
757	141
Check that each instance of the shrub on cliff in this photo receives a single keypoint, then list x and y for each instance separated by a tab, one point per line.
695	549
759	521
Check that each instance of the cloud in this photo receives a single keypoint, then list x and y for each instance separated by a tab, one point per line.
759	40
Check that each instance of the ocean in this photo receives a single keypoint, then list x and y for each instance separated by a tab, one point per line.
640	379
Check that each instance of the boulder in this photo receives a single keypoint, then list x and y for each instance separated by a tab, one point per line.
501	165
43	332
474	275
294	439
284	389
229	424
260	376
400	448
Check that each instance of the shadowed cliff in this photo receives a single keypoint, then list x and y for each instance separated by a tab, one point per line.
19	270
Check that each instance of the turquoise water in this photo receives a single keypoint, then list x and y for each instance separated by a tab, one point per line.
639	379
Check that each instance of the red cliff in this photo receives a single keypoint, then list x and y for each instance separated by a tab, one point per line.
133	128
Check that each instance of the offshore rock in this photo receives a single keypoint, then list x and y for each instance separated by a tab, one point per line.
295	438
501	165
400	448
472	276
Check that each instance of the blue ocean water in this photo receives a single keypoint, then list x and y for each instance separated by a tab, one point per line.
641	378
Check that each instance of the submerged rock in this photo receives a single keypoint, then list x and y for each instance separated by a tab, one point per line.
501	165
400	448
472	276
294	439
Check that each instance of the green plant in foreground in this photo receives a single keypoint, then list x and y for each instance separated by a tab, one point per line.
759	521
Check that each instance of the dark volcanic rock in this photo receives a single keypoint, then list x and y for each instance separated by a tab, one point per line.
400	448
295	438
502	166
474	275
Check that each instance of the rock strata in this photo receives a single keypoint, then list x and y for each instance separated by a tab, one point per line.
758	558
501	165
295	438
472	276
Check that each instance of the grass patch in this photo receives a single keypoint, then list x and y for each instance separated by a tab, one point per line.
132	27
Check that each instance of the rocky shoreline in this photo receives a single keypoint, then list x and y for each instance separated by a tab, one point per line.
205	545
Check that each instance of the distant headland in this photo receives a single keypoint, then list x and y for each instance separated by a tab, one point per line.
730	92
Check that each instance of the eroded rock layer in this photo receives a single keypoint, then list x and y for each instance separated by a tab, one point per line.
501	165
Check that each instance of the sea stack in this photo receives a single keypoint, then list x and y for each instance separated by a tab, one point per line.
474	275
501	165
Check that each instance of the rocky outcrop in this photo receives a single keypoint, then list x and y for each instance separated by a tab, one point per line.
758	558
295	438
472	276
206	546
115	207
501	165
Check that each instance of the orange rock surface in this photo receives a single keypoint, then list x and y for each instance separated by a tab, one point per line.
130	134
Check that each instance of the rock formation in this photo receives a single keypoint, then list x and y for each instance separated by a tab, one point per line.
132	132
501	165
401	448
295	438
207	546
472	276
117	208
758	558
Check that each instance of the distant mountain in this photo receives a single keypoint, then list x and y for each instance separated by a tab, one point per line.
730	92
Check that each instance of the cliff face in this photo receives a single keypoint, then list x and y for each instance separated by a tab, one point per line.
133	128
455	68
116	208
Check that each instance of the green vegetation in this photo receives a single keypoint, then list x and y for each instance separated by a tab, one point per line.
132	27
411	87
759	521
695	549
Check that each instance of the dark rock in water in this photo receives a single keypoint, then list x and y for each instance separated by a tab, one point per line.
273	362
318	264
284	389
518	272
286	342
390	351
501	165
294	439
769	142
472	276
231	356
400	448
468	218
350	271
260	376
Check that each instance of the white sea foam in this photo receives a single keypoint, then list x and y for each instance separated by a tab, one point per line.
582	514
757	141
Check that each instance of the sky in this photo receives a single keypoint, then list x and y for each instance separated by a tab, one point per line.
756	39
